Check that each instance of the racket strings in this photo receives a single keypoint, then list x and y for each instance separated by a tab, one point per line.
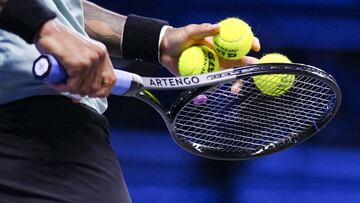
250	122
204	118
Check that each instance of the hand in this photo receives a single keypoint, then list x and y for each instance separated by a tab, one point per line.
86	61
177	40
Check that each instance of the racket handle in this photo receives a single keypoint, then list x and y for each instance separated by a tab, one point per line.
48	69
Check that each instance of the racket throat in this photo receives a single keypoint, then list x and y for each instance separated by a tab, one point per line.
152	101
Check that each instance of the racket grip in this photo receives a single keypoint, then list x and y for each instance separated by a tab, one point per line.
48	69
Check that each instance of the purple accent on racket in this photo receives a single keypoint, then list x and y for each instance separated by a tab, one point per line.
200	99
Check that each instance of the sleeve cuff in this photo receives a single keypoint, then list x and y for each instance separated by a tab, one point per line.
141	38
162	33
24	18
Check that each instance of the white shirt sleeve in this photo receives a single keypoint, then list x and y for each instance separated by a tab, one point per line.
162	33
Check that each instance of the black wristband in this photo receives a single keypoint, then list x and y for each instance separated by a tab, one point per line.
141	38
25	17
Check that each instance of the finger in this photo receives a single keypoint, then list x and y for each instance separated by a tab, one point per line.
237	86
198	32
246	60
207	42
256	45
87	82
97	83
73	85
104	79
103	92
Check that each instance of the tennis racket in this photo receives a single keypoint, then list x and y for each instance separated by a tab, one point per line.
215	120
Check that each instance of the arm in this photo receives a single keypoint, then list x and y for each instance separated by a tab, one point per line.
108	27
86	61
104	26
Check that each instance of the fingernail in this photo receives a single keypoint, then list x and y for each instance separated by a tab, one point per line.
213	26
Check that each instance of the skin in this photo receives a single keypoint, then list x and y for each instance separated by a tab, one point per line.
87	60
177	40
107	27
104	26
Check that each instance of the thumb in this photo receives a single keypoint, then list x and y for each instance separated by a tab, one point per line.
199	32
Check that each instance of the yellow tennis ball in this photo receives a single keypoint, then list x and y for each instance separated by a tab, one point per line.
234	39
274	84
198	60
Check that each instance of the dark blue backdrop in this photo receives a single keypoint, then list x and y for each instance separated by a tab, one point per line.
324	169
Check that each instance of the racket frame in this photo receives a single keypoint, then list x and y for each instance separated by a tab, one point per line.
211	80
133	85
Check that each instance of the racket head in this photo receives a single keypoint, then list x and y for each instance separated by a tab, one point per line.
250	123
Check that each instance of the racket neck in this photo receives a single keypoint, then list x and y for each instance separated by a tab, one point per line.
136	86
152	101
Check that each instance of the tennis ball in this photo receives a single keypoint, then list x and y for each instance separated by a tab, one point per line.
198	60
234	39
274	84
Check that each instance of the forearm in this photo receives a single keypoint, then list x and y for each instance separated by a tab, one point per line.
104	26
2	4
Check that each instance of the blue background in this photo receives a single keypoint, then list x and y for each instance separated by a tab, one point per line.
326	168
